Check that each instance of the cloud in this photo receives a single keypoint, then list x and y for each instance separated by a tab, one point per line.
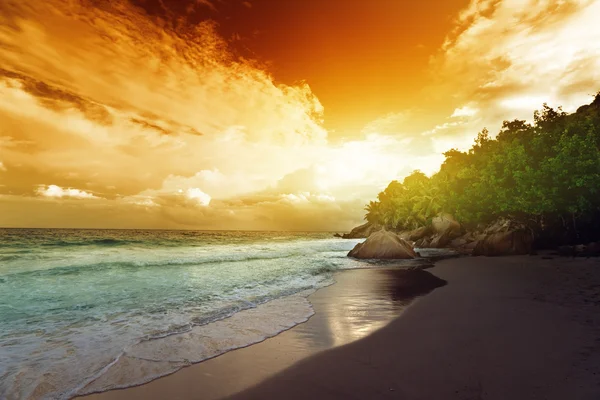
174	130
504	58
56	98
464	111
58	192
150	125
271	211
134	107
390	123
199	196
521	52
2	167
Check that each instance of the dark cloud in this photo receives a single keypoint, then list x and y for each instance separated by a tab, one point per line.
149	125
58	99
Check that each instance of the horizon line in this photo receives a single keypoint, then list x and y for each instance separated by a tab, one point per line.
176	229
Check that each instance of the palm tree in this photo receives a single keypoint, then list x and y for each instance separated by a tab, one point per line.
373	210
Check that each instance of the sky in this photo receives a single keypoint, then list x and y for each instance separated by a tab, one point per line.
263	114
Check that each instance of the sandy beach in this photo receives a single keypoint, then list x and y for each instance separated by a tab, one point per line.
524	327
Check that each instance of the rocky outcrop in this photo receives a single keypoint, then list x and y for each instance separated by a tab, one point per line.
443	229
416	234
504	237
383	245
363	231
423	242
445	224
589	250
440	240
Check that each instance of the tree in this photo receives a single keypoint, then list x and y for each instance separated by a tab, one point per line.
540	172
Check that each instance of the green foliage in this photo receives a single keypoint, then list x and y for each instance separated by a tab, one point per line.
548	170
406	205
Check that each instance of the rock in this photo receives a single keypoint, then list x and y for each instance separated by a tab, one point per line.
446	224
422	243
404	234
362	231
465	243
590	250
500	225
458	242
480	236
415	234
440	240
337	235
383	245
471	246
419	233
593	249
566	251
505	237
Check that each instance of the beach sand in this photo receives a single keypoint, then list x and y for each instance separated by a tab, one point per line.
503	328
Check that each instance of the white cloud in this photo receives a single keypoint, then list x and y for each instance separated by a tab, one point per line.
59	192
199	196
389	124
517	54
523	102
465	111
307	197
2	167
505	58
143	201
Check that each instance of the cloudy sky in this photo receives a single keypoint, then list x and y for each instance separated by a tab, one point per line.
263	114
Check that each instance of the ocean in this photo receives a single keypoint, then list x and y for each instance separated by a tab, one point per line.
82	309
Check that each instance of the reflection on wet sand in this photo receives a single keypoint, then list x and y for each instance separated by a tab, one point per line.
361	302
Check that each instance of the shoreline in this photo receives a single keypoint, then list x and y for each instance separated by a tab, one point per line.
521	327
516	327
299	301
312	339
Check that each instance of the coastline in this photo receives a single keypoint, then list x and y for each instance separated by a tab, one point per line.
360	301
517	327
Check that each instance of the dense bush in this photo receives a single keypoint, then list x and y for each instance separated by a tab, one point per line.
545	174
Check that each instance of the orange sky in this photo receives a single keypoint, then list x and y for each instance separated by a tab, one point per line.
363	59
263	114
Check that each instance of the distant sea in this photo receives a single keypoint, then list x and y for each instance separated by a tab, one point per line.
74	303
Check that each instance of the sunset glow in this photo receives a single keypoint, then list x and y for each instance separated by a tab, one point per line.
222	116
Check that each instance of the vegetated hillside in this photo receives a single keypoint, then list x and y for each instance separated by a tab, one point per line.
545	174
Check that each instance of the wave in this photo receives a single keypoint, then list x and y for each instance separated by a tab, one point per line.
82	268
108	242
161	354
134	259
59	243
213	294
157	357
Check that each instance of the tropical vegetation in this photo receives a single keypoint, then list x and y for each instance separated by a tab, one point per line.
545	174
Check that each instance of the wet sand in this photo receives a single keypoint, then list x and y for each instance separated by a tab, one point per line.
361	302
503	328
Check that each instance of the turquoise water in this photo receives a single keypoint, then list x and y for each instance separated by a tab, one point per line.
73	303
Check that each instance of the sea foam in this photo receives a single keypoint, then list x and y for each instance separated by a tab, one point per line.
88	311
153	358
